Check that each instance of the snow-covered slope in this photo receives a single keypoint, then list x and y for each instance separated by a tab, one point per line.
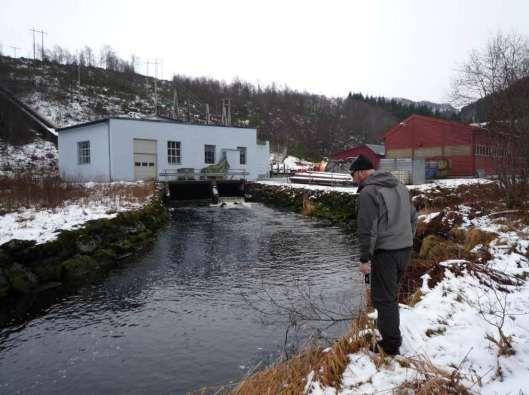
39	156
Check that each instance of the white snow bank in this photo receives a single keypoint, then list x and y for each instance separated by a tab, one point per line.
309	186
443	183
291	164
450	326
450	183
42	225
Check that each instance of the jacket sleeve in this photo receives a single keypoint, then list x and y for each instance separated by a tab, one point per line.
367	224
413	218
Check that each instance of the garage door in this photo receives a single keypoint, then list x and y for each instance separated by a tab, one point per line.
144	159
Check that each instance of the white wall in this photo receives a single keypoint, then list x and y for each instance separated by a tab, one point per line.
97	169
192	140
262	160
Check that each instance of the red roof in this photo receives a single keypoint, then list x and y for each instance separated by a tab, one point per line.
377	149
427	119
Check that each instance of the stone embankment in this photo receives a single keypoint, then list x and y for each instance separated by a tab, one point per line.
76	257
335	207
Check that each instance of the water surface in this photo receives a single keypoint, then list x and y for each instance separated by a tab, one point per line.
178	318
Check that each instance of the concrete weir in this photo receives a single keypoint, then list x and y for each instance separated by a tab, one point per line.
206	191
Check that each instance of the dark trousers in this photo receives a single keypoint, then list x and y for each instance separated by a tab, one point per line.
387	268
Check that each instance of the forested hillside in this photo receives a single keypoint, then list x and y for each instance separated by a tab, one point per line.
69	90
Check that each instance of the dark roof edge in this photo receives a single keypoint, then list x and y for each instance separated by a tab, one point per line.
82	125
165	120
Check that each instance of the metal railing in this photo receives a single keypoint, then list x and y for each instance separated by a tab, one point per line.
197	175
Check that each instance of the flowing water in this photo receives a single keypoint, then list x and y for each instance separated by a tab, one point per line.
193	311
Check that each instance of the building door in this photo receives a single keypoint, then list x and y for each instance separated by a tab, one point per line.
145	159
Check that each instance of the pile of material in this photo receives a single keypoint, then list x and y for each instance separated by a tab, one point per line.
322	178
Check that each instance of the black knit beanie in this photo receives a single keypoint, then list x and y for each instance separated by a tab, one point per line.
361	163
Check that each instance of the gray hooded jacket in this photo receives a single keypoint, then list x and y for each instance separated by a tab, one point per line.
386	217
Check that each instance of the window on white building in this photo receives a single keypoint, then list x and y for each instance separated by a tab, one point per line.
174	152
242	155
209	154
83	152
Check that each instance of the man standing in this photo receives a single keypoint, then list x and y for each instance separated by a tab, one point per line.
386	228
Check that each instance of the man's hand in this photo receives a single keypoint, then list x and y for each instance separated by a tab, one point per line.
365	268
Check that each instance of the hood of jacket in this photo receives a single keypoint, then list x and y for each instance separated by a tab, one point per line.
380	178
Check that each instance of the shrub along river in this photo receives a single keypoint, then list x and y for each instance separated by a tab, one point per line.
193	311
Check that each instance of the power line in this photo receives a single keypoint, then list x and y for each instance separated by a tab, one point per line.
42	33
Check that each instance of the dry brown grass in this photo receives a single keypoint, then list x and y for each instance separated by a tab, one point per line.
289	377
284	377
434	380
414	298
477	236
33	190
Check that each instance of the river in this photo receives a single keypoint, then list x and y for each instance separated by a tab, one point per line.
188	313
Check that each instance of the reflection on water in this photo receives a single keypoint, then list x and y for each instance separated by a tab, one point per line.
176	319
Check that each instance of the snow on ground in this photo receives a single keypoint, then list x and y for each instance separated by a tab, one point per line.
449	183
309	186
296	164
454	326
40	154
291	164
43	225
426	218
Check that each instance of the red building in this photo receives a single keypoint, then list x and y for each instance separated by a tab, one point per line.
466	148
372	151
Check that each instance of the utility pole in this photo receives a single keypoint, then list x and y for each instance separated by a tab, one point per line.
34	31
229	111
14	50
155	64
42	33
155	87
175	104
226	112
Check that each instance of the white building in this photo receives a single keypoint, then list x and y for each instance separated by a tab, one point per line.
114	149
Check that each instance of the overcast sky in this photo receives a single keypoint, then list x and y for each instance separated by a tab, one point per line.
395	48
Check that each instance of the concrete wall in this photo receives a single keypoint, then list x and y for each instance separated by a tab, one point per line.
192	139
98	168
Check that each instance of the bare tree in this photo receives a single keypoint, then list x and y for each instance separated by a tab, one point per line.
497	77
108	58
503	61
89	57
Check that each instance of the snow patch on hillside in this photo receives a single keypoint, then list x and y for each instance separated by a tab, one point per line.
40	155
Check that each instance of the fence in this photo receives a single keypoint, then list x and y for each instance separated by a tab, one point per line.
407	170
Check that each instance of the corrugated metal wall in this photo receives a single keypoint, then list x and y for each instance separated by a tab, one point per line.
435	139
